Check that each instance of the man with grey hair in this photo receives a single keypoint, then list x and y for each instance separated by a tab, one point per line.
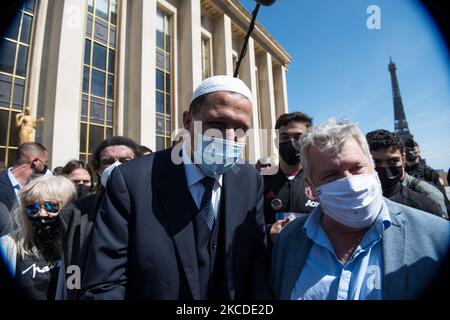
356	245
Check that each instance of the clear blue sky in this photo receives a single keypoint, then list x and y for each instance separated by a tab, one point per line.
339	66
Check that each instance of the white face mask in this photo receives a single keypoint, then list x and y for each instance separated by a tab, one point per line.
354	202
107	172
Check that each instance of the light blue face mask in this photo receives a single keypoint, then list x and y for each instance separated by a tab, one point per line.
216	156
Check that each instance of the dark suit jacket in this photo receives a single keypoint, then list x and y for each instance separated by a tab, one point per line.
143	243
7	194
414	247
5	220
76	222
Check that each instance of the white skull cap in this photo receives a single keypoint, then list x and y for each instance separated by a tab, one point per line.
222	83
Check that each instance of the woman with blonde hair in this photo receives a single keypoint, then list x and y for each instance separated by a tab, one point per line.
33	251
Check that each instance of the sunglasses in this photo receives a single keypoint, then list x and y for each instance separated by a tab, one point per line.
50	206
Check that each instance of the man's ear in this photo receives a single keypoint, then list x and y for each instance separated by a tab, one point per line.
187	120
310	190
33	163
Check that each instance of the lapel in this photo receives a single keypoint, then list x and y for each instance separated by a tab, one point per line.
295	259
395	279
172	181
69	233
233	193
94	204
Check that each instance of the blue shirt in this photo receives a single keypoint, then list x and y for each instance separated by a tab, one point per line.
324	277
194	175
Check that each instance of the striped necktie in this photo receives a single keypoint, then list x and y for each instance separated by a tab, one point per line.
206	208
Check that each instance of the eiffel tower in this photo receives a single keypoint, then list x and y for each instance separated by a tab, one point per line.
400	123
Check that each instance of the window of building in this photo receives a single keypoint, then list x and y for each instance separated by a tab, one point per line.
206	55
163	74
14	51
97	97
235	58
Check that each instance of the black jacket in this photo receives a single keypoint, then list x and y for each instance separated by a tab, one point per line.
290	192
7	194
401	194
143	242
76	221
5	220
422	171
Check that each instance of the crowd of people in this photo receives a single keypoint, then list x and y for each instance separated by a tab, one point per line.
342	215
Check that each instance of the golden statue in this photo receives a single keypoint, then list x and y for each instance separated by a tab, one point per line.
27	125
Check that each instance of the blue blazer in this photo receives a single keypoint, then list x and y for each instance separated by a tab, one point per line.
413	248
143	242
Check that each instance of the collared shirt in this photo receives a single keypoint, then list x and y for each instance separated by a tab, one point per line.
16	185
324	277
194	176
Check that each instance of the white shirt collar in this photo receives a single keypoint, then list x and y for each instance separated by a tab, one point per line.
193	173
13	180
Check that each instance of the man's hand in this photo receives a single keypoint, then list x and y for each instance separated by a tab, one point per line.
277	226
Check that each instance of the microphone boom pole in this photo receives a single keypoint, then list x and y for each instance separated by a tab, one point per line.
249	32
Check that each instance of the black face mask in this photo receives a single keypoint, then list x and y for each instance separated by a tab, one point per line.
46	229
389	176
83	190
411	155
289	153
37	173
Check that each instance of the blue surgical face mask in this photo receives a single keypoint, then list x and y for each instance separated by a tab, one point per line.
216	156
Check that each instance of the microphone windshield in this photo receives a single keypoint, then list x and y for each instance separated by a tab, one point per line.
266	2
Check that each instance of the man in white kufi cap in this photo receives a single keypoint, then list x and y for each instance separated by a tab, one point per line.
222	83
192	229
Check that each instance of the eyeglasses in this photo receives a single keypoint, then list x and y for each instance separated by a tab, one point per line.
43	162
50	206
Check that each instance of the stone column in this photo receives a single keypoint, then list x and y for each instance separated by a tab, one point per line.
267	96
121	62
247	74
139	74
189	52
60	84
279	82
37	49
222	46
